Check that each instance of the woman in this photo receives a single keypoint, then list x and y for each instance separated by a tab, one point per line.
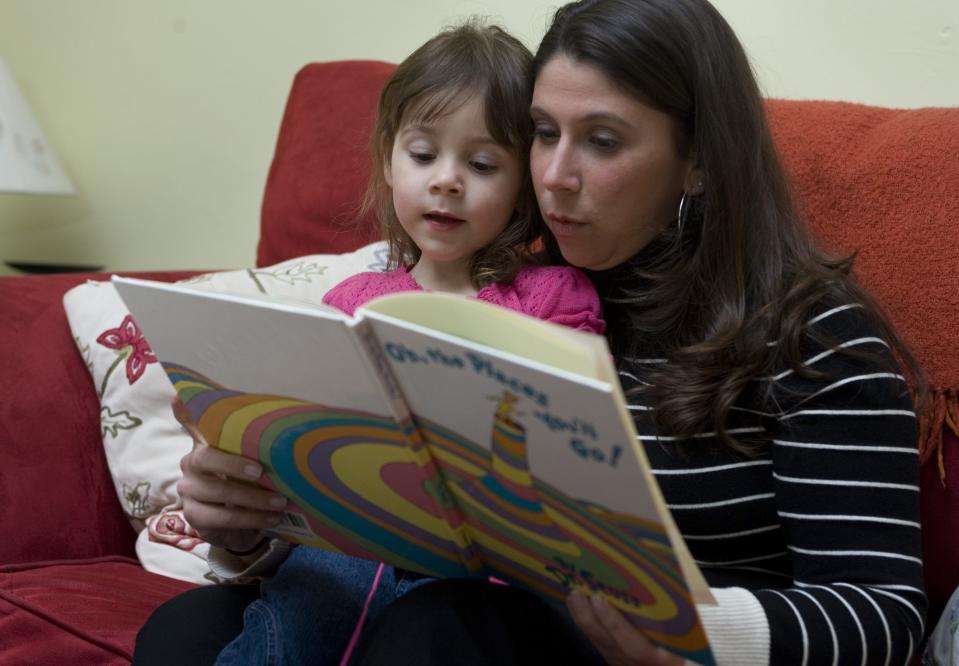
762	378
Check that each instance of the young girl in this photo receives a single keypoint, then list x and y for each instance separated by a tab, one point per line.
450	155
450	184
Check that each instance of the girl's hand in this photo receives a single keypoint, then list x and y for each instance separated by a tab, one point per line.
612	634
220	497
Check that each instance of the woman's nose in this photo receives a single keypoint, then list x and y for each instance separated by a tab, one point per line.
446	179
560	174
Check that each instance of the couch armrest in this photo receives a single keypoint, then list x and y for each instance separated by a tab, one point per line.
57	499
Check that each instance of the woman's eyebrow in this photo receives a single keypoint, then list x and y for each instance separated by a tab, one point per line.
606	117
538	111
593	117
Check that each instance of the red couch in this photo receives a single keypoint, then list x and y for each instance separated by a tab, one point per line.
879	180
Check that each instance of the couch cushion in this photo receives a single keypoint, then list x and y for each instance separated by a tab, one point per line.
59	502
322	162
77	612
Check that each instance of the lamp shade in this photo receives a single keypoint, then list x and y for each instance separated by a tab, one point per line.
27	162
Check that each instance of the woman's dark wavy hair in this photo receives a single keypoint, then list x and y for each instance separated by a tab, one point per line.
460	63
744	270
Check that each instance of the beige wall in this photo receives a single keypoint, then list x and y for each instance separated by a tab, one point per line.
165	113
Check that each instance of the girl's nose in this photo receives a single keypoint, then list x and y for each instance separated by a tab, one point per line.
446	179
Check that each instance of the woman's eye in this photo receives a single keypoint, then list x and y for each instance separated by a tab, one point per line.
544	133
604	142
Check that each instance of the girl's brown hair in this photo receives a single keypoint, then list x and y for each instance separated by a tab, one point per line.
742	271
463	62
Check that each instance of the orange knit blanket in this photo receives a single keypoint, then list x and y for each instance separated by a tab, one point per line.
885	183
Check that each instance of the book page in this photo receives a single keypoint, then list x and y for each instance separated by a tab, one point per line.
543	462
228	338
527	337
293	386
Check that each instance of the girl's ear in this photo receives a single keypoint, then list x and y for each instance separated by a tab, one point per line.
387	173
695	181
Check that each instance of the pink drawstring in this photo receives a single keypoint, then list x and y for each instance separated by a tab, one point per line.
354	639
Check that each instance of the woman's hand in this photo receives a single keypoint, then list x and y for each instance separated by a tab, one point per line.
612	634
220	497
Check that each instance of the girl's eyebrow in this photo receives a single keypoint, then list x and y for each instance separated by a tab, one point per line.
423	128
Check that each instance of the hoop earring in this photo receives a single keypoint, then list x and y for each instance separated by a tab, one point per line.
681	216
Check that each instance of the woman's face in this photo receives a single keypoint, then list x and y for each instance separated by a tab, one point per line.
605	167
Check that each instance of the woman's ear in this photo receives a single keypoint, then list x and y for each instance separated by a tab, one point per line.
695	182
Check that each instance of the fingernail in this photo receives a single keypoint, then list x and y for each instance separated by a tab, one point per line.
600	605
577	600
252	471
278	501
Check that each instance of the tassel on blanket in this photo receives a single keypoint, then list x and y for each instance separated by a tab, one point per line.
940	411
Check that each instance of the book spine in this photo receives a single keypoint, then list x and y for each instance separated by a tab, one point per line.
379	367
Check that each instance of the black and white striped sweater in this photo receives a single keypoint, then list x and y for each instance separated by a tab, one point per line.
822	527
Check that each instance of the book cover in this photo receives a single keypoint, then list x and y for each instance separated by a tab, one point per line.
439	434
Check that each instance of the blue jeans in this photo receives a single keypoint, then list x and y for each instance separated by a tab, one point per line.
307	612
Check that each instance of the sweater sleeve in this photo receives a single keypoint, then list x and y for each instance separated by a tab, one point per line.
846	481
227	567
562	295
736	627
352	292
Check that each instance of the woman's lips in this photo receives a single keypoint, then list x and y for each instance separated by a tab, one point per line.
564	226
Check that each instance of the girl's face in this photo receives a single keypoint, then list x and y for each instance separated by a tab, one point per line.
454	187
605	167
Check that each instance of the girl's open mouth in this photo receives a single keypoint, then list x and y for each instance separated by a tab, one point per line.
442	219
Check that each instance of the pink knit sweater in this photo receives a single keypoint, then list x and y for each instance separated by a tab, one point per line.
560	294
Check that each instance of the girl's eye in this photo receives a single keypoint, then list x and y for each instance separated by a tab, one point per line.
482	167
604	142
421	157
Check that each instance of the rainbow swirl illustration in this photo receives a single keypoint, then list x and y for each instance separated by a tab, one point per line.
533	535
422	497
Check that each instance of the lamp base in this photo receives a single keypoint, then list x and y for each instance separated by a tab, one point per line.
42	267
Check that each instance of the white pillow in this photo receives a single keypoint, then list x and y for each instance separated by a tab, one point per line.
142	440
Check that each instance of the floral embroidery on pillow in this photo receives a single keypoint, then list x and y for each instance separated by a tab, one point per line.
130	345
301	271
170	527
85	353
138	499
112	422
286	273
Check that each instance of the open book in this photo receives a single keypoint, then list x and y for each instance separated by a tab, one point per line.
439	434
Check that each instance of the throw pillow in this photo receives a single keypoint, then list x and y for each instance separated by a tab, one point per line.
142	441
